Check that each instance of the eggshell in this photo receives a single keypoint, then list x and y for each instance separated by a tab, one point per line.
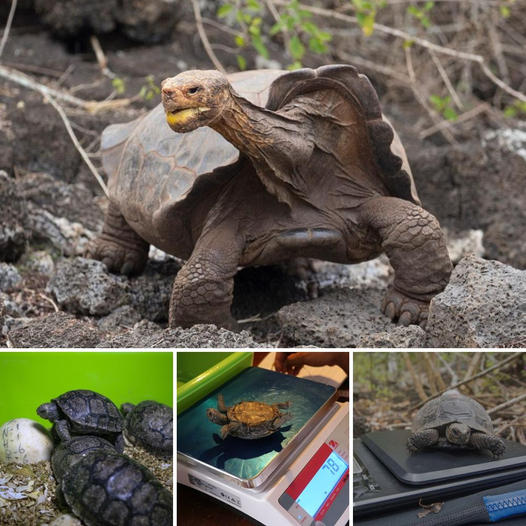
24	441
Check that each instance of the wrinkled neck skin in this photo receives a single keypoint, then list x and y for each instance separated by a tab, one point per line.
252	129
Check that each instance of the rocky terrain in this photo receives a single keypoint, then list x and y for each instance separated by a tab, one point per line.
51	206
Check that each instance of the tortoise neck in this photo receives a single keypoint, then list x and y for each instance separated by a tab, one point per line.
245	125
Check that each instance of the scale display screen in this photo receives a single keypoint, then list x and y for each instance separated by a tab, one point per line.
316	493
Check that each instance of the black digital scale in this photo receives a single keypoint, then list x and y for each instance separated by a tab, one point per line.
387	477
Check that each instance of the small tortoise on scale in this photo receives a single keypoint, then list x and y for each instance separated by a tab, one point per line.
84	412
267	167
454	420
248	420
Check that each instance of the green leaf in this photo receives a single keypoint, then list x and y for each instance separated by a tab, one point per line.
368	25
241	62
276	28
429	5
254	4
257	42
118	85
437	101
450	114
408	43
239	40
317	46
504	11
295	65
224	10
297	49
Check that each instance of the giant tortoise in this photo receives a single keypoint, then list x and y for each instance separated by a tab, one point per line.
265	167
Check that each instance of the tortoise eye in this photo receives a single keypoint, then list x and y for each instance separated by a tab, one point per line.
194	89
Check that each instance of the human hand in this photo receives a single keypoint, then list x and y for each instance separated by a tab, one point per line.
292	363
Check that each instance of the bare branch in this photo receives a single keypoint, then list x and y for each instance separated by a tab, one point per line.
507	404
204	38
10	17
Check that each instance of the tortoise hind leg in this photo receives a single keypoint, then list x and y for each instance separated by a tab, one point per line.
119	247
221	403
491	442
421	439
417	251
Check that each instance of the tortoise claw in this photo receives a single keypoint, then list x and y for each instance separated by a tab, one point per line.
405	310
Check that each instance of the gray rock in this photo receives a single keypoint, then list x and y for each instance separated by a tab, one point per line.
55	330
396	336
123	317
484	305
39	261
9	277
340	318
461	244
13	236
84	286
148	334
478	185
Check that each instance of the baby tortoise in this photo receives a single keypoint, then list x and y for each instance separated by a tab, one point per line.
454	420
248	419
109	489
150	425
266	167
66	454
84	412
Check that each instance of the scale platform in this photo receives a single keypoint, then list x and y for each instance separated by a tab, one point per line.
298	475
387	476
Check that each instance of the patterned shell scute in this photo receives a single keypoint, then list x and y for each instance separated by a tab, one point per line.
150	424
88	410
453	407
66	454
252	413
107	489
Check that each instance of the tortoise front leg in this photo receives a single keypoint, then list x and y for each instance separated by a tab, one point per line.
491	442
416	248
221	403
119	247
203	289
62	430
229	429
421	439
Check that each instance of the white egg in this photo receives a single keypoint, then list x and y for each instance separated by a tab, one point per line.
66	520
24	441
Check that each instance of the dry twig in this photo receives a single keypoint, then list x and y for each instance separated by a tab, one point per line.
204	38
498	365
10	17
515	400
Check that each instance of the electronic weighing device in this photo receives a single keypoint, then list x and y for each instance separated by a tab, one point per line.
386	476
298	475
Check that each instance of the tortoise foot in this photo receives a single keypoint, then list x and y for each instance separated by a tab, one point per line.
405	310
127	259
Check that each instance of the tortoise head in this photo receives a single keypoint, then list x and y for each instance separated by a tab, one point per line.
48	411
215	416
457	433
194	98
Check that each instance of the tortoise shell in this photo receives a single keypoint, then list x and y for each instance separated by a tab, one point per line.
106	489
66	454
252	414
150	425
90	411
156	176
452	407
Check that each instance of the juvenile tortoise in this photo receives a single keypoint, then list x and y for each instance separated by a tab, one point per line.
266	167
248	420
106	488
150	425
84	412
454	420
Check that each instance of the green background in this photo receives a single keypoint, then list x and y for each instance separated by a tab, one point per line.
28	379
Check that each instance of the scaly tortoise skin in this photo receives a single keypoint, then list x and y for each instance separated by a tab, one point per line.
150	425
266	167
249	420
84	412
454	420
106	488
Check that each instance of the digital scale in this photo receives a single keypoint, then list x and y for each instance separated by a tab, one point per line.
388	478
298	475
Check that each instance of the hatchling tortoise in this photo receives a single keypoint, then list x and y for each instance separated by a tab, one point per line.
248	420
454	420
266	167
84	412
66	454
109	489
150	425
